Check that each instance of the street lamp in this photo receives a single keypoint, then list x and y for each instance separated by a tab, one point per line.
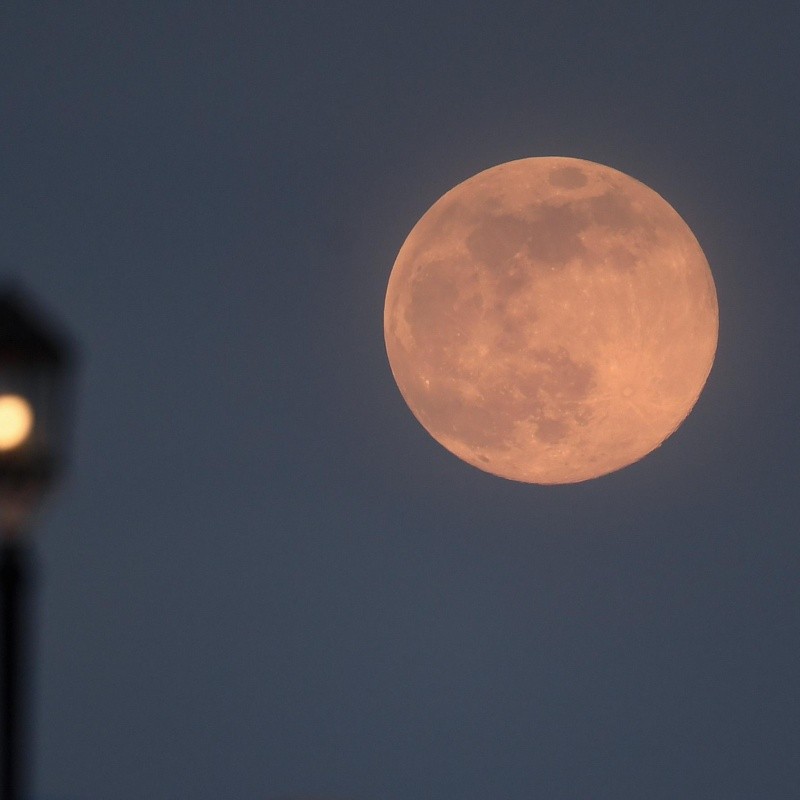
34	398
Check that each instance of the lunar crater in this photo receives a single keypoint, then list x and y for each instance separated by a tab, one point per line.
568	178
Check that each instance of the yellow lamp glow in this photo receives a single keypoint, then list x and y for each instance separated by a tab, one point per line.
16	421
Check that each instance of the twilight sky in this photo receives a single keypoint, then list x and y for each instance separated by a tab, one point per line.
263	579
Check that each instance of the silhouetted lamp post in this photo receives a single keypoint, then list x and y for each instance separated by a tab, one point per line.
34	374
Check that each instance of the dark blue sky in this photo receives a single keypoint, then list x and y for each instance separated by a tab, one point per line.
263	578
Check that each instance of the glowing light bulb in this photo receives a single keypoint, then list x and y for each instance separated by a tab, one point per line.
16	421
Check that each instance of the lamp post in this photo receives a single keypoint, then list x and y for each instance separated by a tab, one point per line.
34	374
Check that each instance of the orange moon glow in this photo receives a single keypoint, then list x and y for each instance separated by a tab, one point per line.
551	320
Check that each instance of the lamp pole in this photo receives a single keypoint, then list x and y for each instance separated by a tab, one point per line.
15	574
34	377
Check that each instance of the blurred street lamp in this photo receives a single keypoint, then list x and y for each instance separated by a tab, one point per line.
35	365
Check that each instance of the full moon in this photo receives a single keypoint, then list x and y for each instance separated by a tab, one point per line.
551	320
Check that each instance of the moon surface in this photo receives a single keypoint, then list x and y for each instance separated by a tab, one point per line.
551	320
